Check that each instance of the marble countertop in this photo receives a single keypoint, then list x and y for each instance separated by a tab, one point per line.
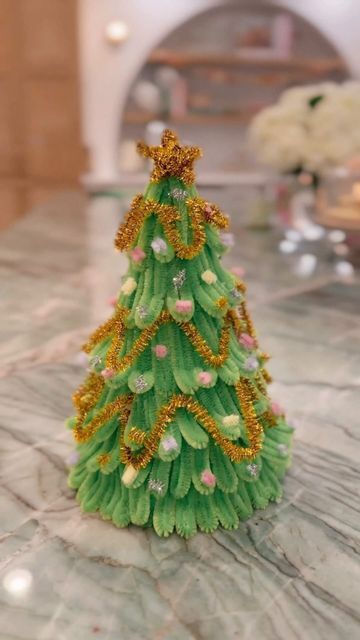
290	573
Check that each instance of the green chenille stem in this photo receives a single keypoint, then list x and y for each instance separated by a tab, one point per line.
169	493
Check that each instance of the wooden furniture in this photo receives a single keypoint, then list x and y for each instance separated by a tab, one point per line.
40	144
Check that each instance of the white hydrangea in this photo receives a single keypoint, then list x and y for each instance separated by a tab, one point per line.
291	134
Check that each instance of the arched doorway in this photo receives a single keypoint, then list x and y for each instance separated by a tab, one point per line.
109	72
209	88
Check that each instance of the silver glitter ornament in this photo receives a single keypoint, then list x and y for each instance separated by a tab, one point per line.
94	362
178	194
140	384
252	469
156	485
179	279
142	311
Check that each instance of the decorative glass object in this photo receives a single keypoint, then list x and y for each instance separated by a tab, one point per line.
338	200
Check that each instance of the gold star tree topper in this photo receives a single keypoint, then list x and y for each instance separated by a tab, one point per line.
170	158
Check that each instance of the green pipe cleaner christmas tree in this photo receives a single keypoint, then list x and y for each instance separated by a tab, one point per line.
174	426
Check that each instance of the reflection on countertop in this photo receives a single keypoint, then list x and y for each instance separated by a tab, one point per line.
291	572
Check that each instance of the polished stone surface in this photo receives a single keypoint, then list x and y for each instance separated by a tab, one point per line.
290	573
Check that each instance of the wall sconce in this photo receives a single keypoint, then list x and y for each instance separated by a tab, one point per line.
116	32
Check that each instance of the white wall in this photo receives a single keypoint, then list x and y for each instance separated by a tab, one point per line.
107	72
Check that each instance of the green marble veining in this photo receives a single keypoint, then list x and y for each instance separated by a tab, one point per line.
290	572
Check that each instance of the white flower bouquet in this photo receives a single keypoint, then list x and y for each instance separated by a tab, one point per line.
311	128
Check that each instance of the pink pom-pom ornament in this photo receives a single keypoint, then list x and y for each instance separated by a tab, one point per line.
169	444
208	478
247	341
205	377
107	373
160	351
137	254
276	409
183	306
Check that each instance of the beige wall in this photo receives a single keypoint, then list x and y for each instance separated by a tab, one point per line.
40	148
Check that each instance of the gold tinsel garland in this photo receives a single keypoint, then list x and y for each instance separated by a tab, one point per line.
236	453
236	321
129	229
169	215
184	251
116	328
248	321
105	330
201	346
208	212
222	302
87	395
241	286
120	406
150	441
266	375
246	318
103	459
269	419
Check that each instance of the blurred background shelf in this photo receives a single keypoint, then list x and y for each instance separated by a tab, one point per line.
198	119
192	58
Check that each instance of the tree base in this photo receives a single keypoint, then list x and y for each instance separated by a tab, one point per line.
138	505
